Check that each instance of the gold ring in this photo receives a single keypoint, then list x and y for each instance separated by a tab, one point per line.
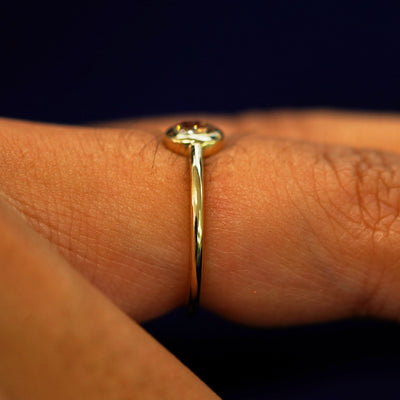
195	139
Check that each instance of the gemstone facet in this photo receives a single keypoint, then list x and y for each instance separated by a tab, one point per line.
181	136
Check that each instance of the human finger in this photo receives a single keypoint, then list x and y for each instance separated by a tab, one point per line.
379	131
295	231
63	339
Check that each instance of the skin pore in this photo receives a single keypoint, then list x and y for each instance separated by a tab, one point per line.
302	225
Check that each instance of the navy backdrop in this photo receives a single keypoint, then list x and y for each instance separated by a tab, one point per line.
103	60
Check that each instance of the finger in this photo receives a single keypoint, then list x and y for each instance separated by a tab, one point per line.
65	340
302	232
356	129
295	232
102	198
377	131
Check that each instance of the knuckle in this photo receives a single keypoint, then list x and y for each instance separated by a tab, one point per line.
377	187
365	204
368	188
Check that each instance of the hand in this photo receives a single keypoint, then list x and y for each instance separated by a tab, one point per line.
302	225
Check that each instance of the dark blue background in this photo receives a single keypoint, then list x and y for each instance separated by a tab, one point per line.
112	59
103	60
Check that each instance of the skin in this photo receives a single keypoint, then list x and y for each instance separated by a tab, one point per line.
60	338
302	225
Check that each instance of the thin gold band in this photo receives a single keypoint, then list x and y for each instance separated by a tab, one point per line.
195	139
197	227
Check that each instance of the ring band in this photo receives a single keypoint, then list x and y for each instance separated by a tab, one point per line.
195	139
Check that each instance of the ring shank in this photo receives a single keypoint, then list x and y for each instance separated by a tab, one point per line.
196	226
